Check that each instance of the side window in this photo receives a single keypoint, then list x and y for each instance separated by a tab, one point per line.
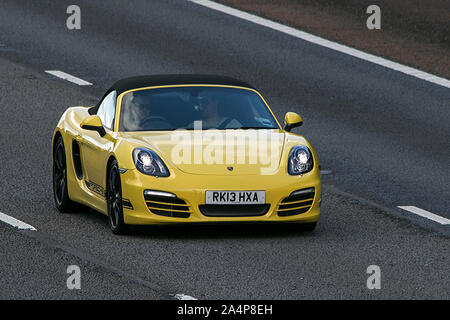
107	110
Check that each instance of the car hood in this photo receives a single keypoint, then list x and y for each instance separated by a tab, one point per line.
215	152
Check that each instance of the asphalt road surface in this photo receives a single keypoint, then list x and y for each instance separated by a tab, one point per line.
384	136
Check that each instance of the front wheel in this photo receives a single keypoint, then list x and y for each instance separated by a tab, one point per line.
60	191
114	199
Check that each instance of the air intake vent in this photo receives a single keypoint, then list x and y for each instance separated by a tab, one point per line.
76	156
298	202
233	210
166	204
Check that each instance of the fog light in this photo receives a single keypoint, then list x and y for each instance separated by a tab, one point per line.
159	194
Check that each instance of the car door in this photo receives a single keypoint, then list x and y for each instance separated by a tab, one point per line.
95	150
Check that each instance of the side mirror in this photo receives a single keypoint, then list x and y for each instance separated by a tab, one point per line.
292	120
93	123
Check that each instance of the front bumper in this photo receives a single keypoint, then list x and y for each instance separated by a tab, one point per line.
191	188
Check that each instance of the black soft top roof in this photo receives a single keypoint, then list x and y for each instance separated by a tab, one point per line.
174	79
169	79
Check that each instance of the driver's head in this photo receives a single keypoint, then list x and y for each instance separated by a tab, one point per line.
210	106
143	111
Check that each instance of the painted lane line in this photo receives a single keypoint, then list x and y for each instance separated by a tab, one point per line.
180	296
68	77
426	214
324	42
16	223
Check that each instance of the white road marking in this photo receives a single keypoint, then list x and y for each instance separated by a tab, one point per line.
426	214
180	296
68	77
16	223
324	42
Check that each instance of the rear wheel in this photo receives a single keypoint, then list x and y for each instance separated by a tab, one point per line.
60	191
114	199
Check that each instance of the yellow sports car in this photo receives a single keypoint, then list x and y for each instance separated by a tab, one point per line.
185	149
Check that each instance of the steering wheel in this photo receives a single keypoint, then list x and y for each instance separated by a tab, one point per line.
147	122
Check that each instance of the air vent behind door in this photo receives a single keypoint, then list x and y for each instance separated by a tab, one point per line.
77	160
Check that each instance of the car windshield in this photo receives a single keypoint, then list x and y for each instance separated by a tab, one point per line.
198	107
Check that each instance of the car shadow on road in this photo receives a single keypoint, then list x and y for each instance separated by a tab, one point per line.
220	231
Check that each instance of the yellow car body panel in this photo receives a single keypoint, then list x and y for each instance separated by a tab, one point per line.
188	182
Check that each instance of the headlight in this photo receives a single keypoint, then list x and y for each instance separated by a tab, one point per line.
148	162
300	160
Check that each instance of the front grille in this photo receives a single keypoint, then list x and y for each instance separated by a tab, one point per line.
233	210
298	202
168	207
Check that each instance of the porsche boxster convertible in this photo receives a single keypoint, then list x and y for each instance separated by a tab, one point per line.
167	149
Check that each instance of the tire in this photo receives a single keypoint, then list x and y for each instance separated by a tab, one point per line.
60	191
114	200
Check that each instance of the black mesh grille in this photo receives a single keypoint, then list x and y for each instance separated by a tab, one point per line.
233	210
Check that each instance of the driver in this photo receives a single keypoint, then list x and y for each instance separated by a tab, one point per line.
142	114
211	115
210	112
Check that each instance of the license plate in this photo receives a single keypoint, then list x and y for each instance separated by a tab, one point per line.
235	197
